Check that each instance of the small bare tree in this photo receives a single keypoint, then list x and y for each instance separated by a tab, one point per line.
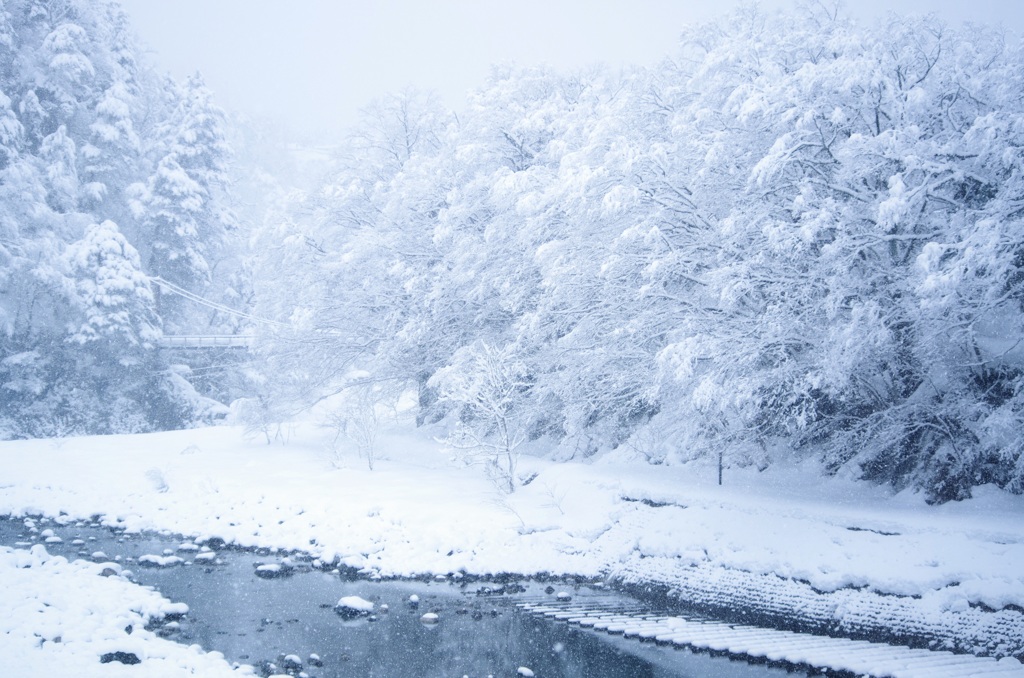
358	420
490	386
260	414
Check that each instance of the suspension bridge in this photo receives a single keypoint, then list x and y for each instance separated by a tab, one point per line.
208	341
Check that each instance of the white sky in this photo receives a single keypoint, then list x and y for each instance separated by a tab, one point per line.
312	64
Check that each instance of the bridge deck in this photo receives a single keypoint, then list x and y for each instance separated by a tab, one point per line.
197	341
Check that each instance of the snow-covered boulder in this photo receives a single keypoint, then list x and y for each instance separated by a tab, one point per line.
152	560
275	570
351	607
111	570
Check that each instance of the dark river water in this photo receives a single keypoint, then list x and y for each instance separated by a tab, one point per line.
256	620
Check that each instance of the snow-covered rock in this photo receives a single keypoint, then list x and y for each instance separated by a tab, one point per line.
152	560
351	607
111	570
274	570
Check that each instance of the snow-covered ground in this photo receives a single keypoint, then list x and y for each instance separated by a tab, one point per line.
57	618
419	511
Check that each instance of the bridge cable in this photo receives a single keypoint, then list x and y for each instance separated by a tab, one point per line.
191	296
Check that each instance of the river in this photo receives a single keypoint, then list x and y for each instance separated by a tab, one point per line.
261	620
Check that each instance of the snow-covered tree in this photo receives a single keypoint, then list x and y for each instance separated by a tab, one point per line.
182	221
794	237
114	295
80	113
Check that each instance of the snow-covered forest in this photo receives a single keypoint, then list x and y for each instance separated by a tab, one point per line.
794	237
111	176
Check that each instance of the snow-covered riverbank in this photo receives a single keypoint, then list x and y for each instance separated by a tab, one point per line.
59	617
420	512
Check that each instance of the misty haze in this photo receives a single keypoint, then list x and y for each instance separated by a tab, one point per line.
582	339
